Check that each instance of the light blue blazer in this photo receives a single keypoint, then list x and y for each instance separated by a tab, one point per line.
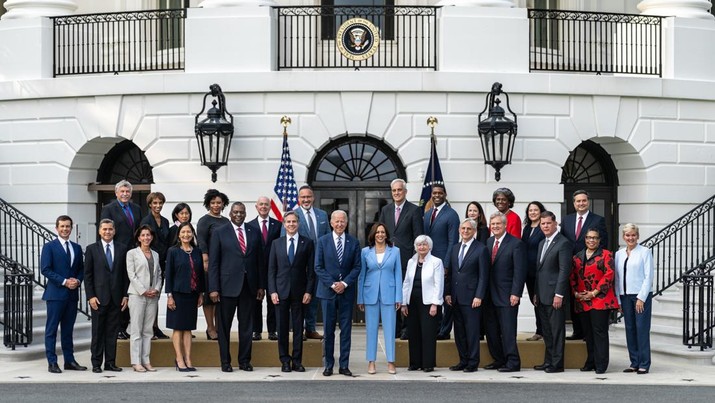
383	280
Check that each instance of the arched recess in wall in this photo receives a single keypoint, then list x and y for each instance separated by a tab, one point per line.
590	167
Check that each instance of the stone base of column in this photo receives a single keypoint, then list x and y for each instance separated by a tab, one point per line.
38	8
677	8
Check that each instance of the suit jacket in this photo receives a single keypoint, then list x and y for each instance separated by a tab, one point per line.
286	278
508	271
380	280
321	218
471	280
444	231
101	282
274	232
160	242
327	268
124	233
227	264
593	220
55	265
138	271
179	271
552	274
432	280
403	233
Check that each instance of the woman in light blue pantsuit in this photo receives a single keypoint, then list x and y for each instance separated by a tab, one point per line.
380	293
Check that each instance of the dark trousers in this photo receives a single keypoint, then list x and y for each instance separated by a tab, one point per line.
62	314
422	329
466	333
637	330
553	323
446	320
270	316
105	326
338	309
124	320
531	288
501	334
290	309
226	309
595	330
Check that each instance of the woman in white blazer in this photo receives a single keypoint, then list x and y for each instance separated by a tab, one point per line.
422	292
379	293
144	287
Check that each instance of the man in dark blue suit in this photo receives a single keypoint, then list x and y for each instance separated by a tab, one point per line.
62	264
337	266
127	217
291	280
464	290
106	283
506	285
574	228
236	283
270	230
441	223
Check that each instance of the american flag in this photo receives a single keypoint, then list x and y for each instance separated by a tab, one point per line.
285	188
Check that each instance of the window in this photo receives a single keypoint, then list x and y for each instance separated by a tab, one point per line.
384	21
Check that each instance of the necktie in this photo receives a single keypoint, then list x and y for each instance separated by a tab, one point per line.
128	213
264	232
241	240
434	214
311	227
543	251
291	251
397	214
495	249
108	254
67	250
339	249
461	254
579	226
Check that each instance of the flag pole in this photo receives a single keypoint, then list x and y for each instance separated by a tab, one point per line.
432	122
285	122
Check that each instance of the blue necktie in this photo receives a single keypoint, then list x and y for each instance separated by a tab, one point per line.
340	249
461	254
67	249
109	258
291	251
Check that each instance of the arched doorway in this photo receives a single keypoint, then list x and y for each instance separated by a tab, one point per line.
124	161
354	174
590	167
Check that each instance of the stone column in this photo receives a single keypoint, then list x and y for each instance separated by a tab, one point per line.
477	3
236	3
677	8
38	8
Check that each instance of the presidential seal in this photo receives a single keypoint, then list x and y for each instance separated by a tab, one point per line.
358	39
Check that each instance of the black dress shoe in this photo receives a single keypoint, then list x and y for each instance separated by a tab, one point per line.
122	335
642	371
159	334
257	336
586	368
553	370
272	336
112	367
245	367
74	366
413	368
630	370
541	367
575	337
600	371
285	367
226	368
404	336
443	337
428	369
97	370
494	365
327	371
345	371
54	369
507	369
470	368
458	367
298	368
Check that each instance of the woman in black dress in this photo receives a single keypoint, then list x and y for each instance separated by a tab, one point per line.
180	214
184	287
476	213
214	201
531	235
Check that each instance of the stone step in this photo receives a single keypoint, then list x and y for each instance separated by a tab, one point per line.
669	352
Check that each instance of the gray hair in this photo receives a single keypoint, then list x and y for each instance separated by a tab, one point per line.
122	184
498	214
470	221
339	212
106	221
423	239
398	180
630	227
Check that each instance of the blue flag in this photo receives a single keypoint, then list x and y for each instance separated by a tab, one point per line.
432	176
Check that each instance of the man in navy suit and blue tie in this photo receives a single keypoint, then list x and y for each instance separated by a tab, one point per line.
291	280
62	264
464	289
441	223
506	285
337	266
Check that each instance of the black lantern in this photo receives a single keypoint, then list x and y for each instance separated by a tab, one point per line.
214	133
497	132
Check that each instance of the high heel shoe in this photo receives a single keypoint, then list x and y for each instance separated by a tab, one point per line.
179	368
371	368
391	368
189	367
208	336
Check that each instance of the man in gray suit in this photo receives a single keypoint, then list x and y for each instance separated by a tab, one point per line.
552	284
404	223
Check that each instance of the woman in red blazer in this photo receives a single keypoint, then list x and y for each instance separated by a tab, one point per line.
592	285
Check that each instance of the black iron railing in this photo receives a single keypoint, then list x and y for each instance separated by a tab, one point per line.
17	304
119	42
577	41
698	321
310	37
21	241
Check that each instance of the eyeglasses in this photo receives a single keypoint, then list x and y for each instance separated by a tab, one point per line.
592	238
